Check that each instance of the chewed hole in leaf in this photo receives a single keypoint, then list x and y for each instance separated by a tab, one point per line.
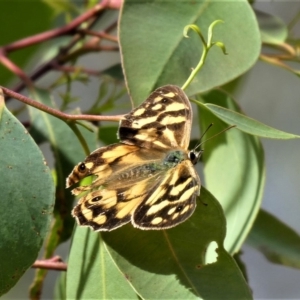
211	255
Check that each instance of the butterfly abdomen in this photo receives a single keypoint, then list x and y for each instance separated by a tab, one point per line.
150	169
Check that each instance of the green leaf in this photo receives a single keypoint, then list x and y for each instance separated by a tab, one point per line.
108	134
166	264
38	18
60	7
66	149
67	153
272	28
279	243
170	264
60	292
154	51
234	171
115	72
92	274
27	199
247	124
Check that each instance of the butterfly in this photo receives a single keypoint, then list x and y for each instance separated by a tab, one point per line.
148	178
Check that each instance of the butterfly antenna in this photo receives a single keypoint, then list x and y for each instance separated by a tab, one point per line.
232	126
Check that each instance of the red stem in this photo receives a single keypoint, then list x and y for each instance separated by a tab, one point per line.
56	113
101	34
54	263
90	17
68	29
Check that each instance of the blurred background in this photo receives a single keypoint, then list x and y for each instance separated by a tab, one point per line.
271	96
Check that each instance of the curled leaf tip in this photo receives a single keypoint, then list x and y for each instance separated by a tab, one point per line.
210	30
193	27
213	24
185	31
222	47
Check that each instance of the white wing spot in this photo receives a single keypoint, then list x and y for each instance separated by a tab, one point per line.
156	221
157	107
100	219
157	99
172	210
157	207
139	112
170	95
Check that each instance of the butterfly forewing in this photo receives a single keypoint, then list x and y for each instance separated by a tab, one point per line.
147	178
163	121
102	163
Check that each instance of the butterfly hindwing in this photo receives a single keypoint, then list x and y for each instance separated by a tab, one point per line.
172	201
108	209
166	200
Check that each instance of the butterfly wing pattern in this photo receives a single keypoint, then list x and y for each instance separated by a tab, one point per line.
148	178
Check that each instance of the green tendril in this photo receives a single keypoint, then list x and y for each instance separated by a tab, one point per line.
80	137
206	47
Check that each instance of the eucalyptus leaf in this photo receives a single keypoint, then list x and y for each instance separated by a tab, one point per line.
164	264
60	287
92	274
247	124
38	18
67	153
108	134
234	171
27	199
171	264
66	149
273	29
155	52
278	242
115	72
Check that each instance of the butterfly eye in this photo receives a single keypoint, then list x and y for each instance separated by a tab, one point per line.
193	157
82	167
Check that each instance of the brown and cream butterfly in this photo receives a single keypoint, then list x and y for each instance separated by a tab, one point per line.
148	178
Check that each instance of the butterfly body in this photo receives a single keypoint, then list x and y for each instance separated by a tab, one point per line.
148	178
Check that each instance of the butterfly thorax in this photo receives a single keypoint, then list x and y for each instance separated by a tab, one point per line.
173	158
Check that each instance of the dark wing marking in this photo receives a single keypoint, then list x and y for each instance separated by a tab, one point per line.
172	201
163	202
122	176
162	122
108	209
102	163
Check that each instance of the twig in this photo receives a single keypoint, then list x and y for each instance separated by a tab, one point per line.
101	34
72	69
61	58
91	46
65	30
5	61
282	46
54	263
56	113
279	63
